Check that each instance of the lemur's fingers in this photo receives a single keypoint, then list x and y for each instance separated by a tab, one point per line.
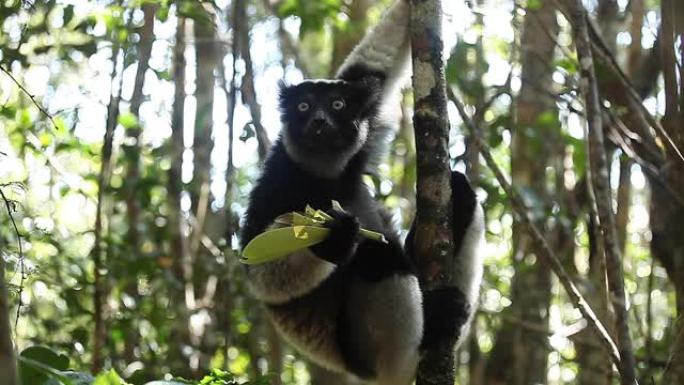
341	243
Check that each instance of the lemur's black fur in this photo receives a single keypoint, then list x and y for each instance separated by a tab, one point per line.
350	303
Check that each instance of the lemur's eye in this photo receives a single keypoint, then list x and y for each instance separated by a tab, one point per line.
338	104
303	106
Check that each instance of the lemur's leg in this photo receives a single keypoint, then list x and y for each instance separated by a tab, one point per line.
399	324
383	317
449	310
287	278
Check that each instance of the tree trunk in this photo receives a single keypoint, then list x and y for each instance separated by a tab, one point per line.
433	244
8	364
132	150
179	244
205	56
519	356
201	265
99	263
667	243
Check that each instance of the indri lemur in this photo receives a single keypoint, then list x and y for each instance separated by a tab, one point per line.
352	304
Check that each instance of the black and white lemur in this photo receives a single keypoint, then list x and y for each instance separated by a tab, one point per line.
349	303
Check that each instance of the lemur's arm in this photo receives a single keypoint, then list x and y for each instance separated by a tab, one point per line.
384	52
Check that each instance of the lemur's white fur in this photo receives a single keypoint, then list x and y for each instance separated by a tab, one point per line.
468	268
288	278
395	338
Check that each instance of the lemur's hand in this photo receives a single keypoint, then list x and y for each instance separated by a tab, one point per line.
341	243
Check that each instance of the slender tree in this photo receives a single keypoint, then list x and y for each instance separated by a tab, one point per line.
432	244
132	150
667	243
178	250
599	186
8	364
99	263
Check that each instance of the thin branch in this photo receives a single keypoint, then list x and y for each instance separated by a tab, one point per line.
600	184
633	99
547	255
30	96
247	87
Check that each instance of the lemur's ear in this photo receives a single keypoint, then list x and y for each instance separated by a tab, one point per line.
285	92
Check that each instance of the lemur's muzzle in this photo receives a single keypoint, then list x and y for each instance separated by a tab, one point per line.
321	126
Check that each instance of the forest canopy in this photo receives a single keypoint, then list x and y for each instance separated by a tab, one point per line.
132	131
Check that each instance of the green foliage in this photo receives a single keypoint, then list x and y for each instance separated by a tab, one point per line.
39	364
313	14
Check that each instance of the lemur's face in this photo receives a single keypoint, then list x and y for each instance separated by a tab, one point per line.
324	117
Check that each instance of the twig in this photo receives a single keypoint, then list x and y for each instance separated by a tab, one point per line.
547	254
31	96
248	88
600	49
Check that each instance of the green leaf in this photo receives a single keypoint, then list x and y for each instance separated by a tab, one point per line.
67	14
533	5
110	377
302	230
277	243
570	65
128	120
47	356
38	364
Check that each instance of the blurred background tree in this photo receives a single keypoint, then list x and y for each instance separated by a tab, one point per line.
131	132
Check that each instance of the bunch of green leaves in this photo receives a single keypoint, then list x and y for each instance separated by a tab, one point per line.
300	230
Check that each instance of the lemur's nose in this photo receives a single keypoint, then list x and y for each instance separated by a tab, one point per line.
319	124
319	117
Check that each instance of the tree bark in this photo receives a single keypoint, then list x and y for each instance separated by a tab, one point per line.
433	244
